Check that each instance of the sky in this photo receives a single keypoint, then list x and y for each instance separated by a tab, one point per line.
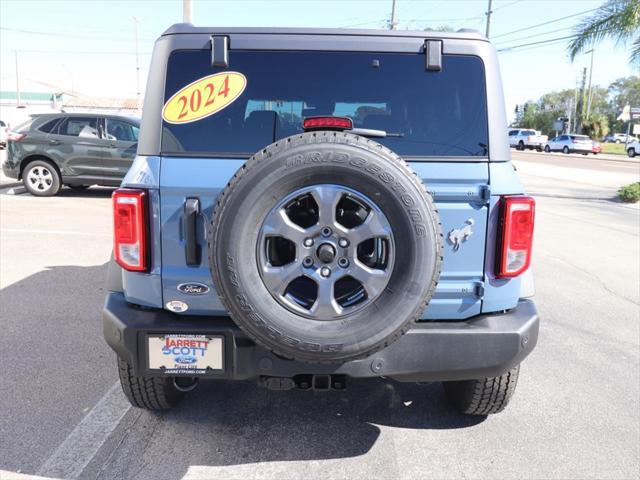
88	46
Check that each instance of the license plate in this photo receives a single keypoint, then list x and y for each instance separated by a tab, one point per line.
191	354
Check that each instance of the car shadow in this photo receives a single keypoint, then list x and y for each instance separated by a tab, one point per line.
227	423
91	192
55	363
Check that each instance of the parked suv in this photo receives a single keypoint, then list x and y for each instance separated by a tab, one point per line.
570	143
619	138
309	206
77	150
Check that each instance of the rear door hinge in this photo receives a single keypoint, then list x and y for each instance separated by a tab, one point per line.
433	55
478	290
485	193
220	51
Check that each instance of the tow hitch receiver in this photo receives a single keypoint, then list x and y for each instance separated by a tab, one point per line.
319	382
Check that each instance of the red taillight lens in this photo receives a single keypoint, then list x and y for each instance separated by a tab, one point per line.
516	235
15	136
341	123
130	229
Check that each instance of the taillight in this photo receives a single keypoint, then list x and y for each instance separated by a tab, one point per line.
130	229
516	235
15	136
337	123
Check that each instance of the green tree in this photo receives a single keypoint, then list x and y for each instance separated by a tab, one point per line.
624	91
615	19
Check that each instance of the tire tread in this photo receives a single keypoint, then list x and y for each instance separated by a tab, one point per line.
149	393
483	396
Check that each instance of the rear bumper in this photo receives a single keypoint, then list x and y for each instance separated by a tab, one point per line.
484	346
10	170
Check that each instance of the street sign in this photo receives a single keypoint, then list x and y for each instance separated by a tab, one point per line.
635	113
625	115
636	129
558	125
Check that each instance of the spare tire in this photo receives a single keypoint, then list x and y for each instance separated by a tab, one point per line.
325	247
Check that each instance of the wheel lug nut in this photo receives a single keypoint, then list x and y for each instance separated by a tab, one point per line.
308	242
343	242
307	262
326	232
325	272
343	262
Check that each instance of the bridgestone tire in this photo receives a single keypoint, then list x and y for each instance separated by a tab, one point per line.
483	396
325	158
147	392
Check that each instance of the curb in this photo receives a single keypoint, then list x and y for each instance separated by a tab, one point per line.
10	185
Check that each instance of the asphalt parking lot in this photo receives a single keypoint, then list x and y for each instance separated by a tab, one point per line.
575	413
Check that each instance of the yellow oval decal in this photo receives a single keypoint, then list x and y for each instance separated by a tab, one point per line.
204	97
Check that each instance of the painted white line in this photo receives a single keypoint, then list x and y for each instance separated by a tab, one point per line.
74	454
7	475
54	232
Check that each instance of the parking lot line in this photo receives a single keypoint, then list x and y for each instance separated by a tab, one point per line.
76	451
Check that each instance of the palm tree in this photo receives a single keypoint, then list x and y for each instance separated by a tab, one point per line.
616	19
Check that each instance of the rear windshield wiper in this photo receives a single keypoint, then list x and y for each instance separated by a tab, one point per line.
368	132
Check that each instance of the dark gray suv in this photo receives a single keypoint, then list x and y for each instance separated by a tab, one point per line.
77	150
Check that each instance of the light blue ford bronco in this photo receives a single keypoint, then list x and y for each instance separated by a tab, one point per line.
310	206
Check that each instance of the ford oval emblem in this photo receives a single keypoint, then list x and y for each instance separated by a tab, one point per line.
185	359
193	288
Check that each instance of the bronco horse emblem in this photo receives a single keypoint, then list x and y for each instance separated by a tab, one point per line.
459	235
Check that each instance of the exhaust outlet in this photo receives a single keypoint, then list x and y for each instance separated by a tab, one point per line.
185	384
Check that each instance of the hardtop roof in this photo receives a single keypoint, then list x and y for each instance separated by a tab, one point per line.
188	28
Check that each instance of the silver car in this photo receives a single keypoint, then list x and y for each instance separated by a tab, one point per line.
570	143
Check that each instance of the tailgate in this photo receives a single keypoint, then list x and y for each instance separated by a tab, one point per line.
460	190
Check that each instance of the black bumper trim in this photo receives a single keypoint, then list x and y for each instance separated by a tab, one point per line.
483	346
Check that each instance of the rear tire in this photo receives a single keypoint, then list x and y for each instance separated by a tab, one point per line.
565	150
483	396
521	145
148	392
41	178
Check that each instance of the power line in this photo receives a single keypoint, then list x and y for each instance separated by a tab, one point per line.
550	40
507	5
88	52
533	36
66	35
536	43
545	23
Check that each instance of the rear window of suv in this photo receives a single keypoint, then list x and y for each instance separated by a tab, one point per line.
427	113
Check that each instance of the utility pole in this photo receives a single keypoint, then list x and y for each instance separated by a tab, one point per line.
17	82
574	107
488	14
392	24
186	11
590	91
138	93
580	104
